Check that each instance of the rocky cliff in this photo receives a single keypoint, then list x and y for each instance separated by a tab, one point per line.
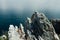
38	27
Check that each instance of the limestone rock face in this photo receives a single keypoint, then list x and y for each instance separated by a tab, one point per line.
41	27
38	27
12	33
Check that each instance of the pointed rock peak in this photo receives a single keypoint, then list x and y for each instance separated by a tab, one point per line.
16	28
11	27
37	15
21	26
28	19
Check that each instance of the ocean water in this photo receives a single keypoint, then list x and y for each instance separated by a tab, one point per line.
11	17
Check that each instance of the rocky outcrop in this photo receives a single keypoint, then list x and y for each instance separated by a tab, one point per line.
56	24
38	27
12	33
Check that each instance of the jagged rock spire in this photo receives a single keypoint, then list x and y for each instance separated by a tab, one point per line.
12	33
11	27
28	23
29	20
43	26
38	27
22	28
16	28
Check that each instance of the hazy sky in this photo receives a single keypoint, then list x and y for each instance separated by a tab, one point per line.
30	4
20	5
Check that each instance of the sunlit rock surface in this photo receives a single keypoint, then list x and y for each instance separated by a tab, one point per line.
12	33
38	27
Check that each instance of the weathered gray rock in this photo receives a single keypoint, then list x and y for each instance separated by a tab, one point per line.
40	26
44	27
